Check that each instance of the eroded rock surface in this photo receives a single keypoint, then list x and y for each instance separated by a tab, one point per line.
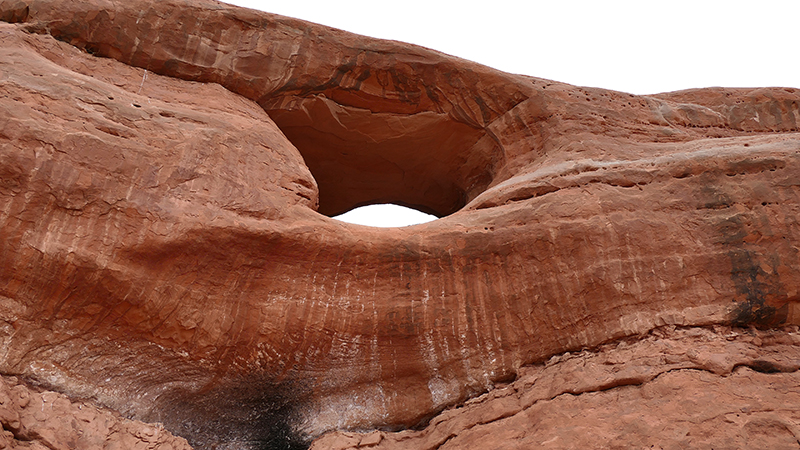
165	171
39	420
694	388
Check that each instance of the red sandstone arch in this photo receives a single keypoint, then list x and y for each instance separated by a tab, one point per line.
170	227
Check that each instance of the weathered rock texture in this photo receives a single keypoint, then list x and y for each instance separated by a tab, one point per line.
161	253
685	388
30	419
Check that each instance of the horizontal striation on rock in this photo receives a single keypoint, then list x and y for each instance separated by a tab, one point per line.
673	388
167	170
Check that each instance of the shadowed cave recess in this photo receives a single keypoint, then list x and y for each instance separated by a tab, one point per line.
425	161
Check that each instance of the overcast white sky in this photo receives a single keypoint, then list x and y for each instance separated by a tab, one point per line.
641	47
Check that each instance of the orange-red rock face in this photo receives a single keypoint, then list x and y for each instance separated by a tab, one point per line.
161	253
685	388
49	420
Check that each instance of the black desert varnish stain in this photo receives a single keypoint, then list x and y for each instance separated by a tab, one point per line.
246	414
754	286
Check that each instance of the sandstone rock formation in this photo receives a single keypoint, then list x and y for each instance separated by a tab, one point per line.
715	388
47	420
167	171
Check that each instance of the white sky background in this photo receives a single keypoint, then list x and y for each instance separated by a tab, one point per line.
640	47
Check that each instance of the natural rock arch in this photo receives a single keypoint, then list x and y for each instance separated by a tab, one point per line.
161	250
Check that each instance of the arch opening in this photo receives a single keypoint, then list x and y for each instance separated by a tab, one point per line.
427	160
385	215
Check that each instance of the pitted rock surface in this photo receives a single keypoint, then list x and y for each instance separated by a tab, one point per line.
167	173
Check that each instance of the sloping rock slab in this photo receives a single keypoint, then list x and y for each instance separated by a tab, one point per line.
693	388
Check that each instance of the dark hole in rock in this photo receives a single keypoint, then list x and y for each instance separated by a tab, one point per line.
427	161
